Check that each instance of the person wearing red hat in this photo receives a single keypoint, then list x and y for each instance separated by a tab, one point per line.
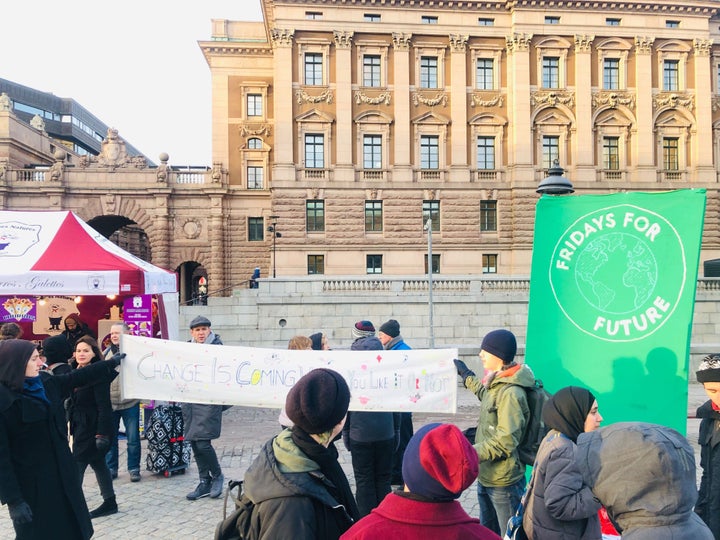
438	465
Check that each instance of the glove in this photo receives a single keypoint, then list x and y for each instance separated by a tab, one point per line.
346	440
463	370
117	357
396	441
20	513
102	443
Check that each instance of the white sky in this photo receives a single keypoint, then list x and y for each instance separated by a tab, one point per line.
134	64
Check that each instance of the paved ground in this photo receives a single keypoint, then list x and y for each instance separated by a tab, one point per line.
156	507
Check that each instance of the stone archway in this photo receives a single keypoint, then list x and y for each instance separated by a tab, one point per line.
124	233
194	284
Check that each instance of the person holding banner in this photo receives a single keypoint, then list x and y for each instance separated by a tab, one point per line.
503	416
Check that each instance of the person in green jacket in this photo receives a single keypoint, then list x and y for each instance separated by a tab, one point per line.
502	419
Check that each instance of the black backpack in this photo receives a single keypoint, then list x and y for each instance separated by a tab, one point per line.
535	430
237	525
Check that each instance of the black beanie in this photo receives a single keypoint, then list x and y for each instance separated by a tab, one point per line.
56	349
709	369
501	343
318	401
316	341
391	328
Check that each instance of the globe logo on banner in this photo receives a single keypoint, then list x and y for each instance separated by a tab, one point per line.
605	274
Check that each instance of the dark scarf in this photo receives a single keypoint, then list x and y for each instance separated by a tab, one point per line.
329	466
567	410
34	388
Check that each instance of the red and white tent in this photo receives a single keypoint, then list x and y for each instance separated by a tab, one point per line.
57	253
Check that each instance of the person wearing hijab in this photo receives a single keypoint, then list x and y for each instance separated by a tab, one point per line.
560	506
38	477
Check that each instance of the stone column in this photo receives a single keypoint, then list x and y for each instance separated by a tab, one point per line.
520	132
283	166
216	266
583	138
344	169
644	146
402	139
161	246
702	143
459	170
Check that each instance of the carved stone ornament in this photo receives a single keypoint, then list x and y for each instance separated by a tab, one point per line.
518	42
583	43
401	41
38	123
431	194
302	96
552	98
439	99
217	172
282	37
458	42
109	201
486	100
5	103
343	40
673	101
644	44
192	228
702	46
255	130
4	167
383	98
716	103
613	99
372	194
56	170
113	153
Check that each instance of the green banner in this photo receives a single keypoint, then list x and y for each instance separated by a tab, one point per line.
612	291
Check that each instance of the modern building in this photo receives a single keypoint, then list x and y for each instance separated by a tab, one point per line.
346	126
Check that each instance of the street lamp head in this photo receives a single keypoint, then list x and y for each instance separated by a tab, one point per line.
555	183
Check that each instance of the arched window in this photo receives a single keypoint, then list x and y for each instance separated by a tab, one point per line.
254	144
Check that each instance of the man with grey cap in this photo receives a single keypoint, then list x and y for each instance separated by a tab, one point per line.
202	424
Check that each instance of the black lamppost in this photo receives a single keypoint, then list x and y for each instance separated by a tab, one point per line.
272	229
555	183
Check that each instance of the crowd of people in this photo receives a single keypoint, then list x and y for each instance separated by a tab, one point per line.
630	479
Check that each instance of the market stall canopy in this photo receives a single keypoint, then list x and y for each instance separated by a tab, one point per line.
57	253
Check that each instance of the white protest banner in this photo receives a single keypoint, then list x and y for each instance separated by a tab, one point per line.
421	380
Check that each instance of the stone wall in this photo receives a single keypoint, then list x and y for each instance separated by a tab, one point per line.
464	309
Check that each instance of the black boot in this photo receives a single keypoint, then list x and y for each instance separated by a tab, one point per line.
108	507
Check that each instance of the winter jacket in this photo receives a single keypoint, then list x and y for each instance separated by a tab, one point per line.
560	506
644	474
35	460
366	426
203	422
708	504
402	517
397	344
118	403
291	495
90	414
502	419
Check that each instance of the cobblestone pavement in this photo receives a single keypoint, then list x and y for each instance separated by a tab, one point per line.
156	507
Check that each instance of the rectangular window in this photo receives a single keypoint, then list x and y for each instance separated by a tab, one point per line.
488	216
428	72
435	262
371	17
254	105
486	153
373	216
671	79
552	20
551	72
484	74
672	24
611	153
255	177
313	68
429	152
612	22
482	21
314	151
611	73
671	158
371	70
373	264
428	19
314	215
550	150
256	230
316	264
372	152
431	210
489	263
313	15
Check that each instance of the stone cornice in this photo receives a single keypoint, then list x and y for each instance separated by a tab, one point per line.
235	49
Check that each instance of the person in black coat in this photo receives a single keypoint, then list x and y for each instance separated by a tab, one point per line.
708	503
75	329
38	479
91	426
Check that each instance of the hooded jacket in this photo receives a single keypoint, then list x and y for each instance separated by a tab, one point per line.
291	497
708	504
504	413
644	474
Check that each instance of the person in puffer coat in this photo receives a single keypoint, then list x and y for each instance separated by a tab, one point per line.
296	483
644	474
708	504
560	506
